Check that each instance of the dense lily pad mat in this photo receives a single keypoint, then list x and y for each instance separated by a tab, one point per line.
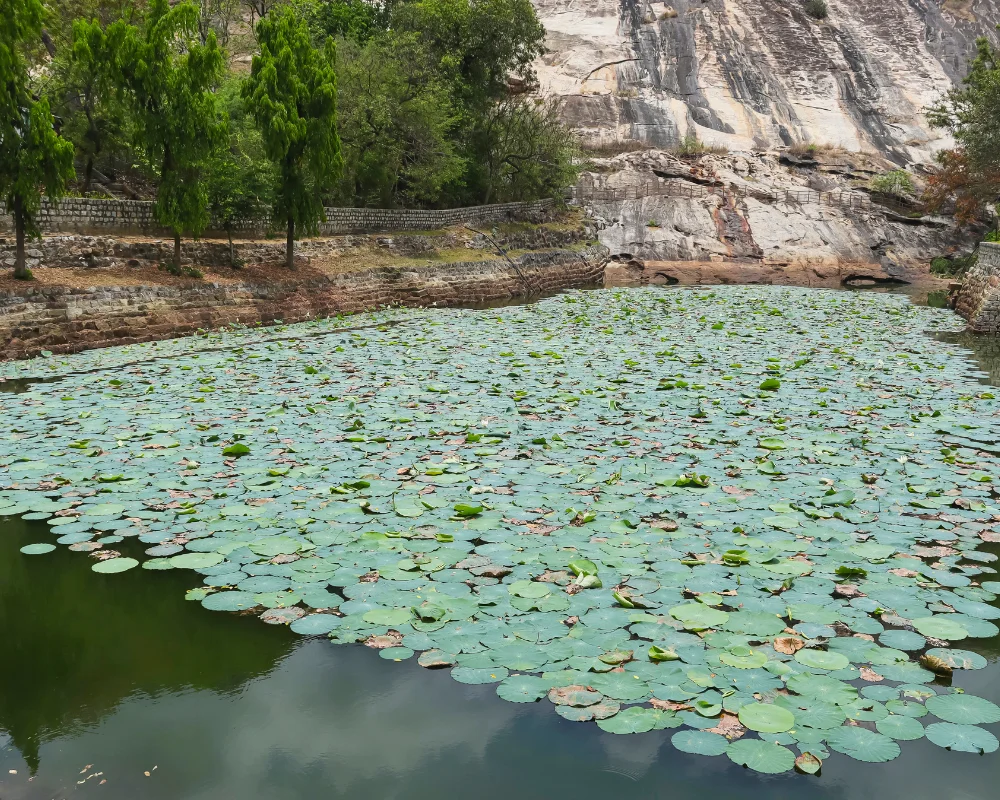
751	514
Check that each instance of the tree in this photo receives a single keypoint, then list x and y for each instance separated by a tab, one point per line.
32	155
240	177
479	44
527	152
81	95
354	20
292	95
971	171
166	76
397	121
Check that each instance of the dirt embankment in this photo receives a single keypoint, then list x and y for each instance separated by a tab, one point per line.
99	292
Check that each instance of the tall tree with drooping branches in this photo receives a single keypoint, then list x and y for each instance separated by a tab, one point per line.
34	159
292	95
166	77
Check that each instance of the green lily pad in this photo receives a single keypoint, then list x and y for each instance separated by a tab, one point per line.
863	744
771	759
38	549
114	565
766	718
962	738
963	709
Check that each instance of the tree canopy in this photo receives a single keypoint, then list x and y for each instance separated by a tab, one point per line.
971	171
33	158
292	95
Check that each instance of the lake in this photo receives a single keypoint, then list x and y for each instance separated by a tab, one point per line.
116	685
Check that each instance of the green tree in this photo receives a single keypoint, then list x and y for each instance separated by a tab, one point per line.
355	20
478	44
166	76
33	157
397	121
240	177
527	152
971	171
292	95
81	95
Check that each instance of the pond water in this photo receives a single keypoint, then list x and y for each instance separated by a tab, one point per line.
115	685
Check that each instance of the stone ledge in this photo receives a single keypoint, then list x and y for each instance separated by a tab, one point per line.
66	320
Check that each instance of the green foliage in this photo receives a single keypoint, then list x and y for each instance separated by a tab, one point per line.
292	95
523	151
952	266
164	76
33	158
240	178
354	20
971	113
476	44
896	183
398	123
817	9
82	96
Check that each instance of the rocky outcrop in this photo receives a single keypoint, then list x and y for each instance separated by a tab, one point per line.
758	74
750	207
761	80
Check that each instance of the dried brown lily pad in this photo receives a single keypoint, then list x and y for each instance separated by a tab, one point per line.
577	696
789	645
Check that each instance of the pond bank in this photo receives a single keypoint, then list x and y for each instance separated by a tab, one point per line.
67	319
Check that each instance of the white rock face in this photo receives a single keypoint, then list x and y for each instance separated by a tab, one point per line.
760	73
744	224
757	76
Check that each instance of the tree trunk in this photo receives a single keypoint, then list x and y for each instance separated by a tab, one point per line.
232	251
290	245
177	251
88	174
20	265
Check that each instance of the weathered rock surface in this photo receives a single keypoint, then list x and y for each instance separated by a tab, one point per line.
736	219
757	77
757	74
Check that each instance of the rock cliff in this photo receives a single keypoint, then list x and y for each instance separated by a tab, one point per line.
756	77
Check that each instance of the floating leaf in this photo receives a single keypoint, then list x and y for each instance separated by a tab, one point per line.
963	709
114	565
766	718
863	744
771	759
962	738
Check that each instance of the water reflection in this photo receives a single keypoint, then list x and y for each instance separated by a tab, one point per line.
119	674
76	643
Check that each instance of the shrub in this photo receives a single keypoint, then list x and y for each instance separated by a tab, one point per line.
817	9
896	183
691	145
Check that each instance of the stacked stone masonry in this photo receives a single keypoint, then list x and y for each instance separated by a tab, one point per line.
64	320
136	217
979	298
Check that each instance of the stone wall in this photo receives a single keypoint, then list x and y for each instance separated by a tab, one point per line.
135	217
81	251
979	298
65	320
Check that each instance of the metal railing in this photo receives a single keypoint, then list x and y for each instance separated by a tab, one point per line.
675	188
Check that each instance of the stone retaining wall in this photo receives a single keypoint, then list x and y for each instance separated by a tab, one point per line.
80	251
979	298
65	320
135	217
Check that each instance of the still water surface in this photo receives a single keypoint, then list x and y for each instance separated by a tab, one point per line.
105	678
